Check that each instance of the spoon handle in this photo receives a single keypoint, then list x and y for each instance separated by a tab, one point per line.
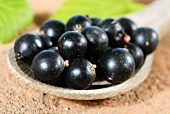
156	15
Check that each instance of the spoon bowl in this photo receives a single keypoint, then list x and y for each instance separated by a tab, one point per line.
102	89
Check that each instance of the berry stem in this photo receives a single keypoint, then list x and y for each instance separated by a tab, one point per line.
92	67
66	63
19	56
126	38
78	28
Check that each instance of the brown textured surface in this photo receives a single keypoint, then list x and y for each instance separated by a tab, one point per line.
151	97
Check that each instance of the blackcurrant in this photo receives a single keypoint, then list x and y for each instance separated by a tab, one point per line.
93	55
95	21
137	54
128	25
72	45
104	24
115	34
27	46
76	20
47	66
46	40
146	38
116	65
97	39
95	36
80	74
54	29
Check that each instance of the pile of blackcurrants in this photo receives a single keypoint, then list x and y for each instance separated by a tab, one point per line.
85	50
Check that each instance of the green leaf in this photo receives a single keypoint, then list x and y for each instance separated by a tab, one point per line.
14	15
96	8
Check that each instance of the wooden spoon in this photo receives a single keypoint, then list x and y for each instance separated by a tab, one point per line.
156	15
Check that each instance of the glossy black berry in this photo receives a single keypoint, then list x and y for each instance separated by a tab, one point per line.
80	74
104	24
77	20
72	45
27	46
146	38
137	54
95	21
115	34
47	66
93	55
96	37
46	40
116	65
97	41
128	25
54	29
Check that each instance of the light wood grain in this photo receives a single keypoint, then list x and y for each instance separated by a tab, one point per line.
155	15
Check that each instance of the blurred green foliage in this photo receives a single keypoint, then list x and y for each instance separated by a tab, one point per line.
96	8
14	15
